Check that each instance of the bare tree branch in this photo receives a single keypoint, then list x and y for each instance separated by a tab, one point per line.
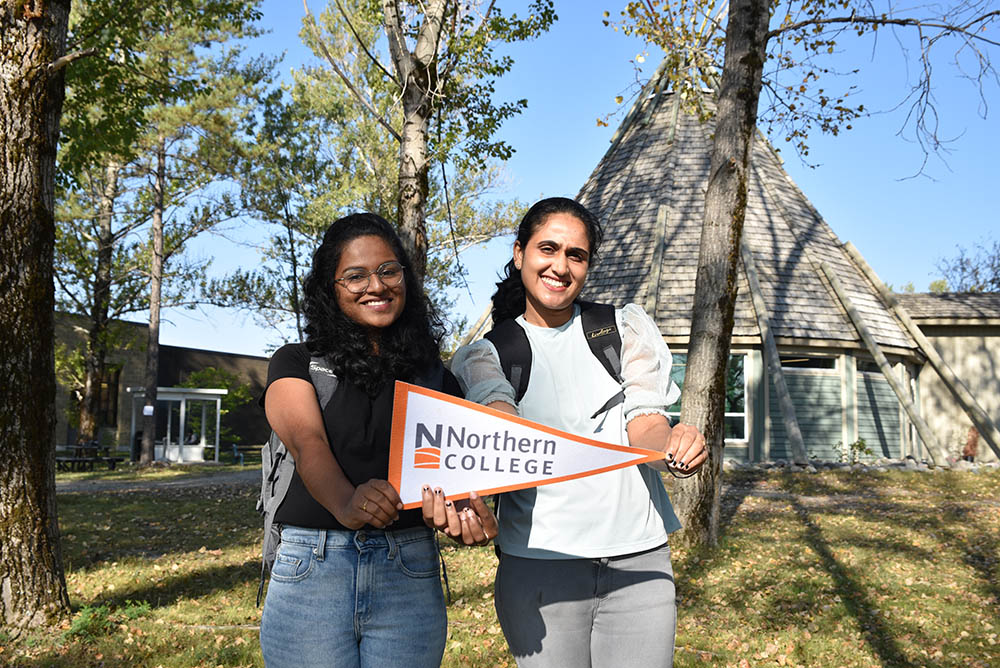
311	22
363	46
886	21
63	61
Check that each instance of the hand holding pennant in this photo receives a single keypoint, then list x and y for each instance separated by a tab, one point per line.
461	447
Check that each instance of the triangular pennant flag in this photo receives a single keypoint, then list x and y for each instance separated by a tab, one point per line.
459	446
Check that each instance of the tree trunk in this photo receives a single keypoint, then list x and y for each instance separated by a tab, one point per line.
703	402
155	288
32	584
417	73
293	257
97	339
413	168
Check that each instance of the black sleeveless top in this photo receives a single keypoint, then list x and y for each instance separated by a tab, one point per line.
357	427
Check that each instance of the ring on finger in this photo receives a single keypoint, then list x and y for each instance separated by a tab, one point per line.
364	506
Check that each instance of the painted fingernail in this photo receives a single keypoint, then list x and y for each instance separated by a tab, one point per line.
448	503
670	457
427	488
438	491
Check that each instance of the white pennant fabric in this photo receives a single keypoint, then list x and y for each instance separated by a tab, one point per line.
459	446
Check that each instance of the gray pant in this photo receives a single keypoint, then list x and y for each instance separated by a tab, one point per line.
618	612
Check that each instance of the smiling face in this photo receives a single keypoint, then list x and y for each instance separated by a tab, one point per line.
553	265
380	305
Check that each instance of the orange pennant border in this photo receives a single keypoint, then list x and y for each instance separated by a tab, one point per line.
399	405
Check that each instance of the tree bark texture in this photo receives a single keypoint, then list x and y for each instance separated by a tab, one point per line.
32	585
95	361
417	74
293	256
703	403
155	290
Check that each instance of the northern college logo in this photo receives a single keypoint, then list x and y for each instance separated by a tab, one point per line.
427	451
428	456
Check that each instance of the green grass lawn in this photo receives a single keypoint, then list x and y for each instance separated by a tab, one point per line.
835	569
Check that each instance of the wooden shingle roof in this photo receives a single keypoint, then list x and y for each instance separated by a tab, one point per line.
660	162
952	307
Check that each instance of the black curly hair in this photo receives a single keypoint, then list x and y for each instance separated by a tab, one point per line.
509	299
406	347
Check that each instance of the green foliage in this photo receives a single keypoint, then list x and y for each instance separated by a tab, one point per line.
468	118
110	93
939	286
90	623
239	395
94	622
854	452
318	154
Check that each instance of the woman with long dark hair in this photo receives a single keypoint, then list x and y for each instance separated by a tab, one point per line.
355	579
584	577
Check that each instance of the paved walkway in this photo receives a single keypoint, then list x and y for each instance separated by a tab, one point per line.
245	477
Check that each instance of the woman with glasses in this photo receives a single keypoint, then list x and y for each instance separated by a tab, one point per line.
355	579
584	577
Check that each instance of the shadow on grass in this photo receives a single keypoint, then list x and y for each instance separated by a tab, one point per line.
199	583
107	527
859	605
737	489
979	548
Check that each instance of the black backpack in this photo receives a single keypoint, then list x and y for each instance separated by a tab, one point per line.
277	467
600	330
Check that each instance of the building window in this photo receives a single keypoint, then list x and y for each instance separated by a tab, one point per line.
804	362
736	392
868	366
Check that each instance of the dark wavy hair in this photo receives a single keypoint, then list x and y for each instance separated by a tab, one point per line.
508	300
406	347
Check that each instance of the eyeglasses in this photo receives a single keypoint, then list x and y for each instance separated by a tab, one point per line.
357	281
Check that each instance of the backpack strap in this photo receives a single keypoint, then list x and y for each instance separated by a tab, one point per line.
600	328
601	331
511	342
278	466
323	379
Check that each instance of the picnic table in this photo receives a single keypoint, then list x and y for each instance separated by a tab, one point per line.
84	456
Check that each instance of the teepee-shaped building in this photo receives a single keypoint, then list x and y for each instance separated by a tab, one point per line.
821	385
824	358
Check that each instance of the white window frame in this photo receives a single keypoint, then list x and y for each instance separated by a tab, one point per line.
746	397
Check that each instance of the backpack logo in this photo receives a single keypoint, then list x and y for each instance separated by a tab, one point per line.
427	456
604	331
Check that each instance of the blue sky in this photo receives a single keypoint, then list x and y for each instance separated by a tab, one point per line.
570	77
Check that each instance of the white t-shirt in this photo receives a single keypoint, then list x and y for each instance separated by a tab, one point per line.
609	514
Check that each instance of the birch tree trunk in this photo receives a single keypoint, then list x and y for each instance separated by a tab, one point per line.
97	339
32	584
417	74
703	402
155	290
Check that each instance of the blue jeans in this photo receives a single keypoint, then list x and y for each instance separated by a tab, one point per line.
355	599
618	612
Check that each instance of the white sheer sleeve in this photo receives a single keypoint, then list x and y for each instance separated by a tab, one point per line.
646	363
477	367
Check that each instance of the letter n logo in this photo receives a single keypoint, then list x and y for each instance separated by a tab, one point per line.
427	456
